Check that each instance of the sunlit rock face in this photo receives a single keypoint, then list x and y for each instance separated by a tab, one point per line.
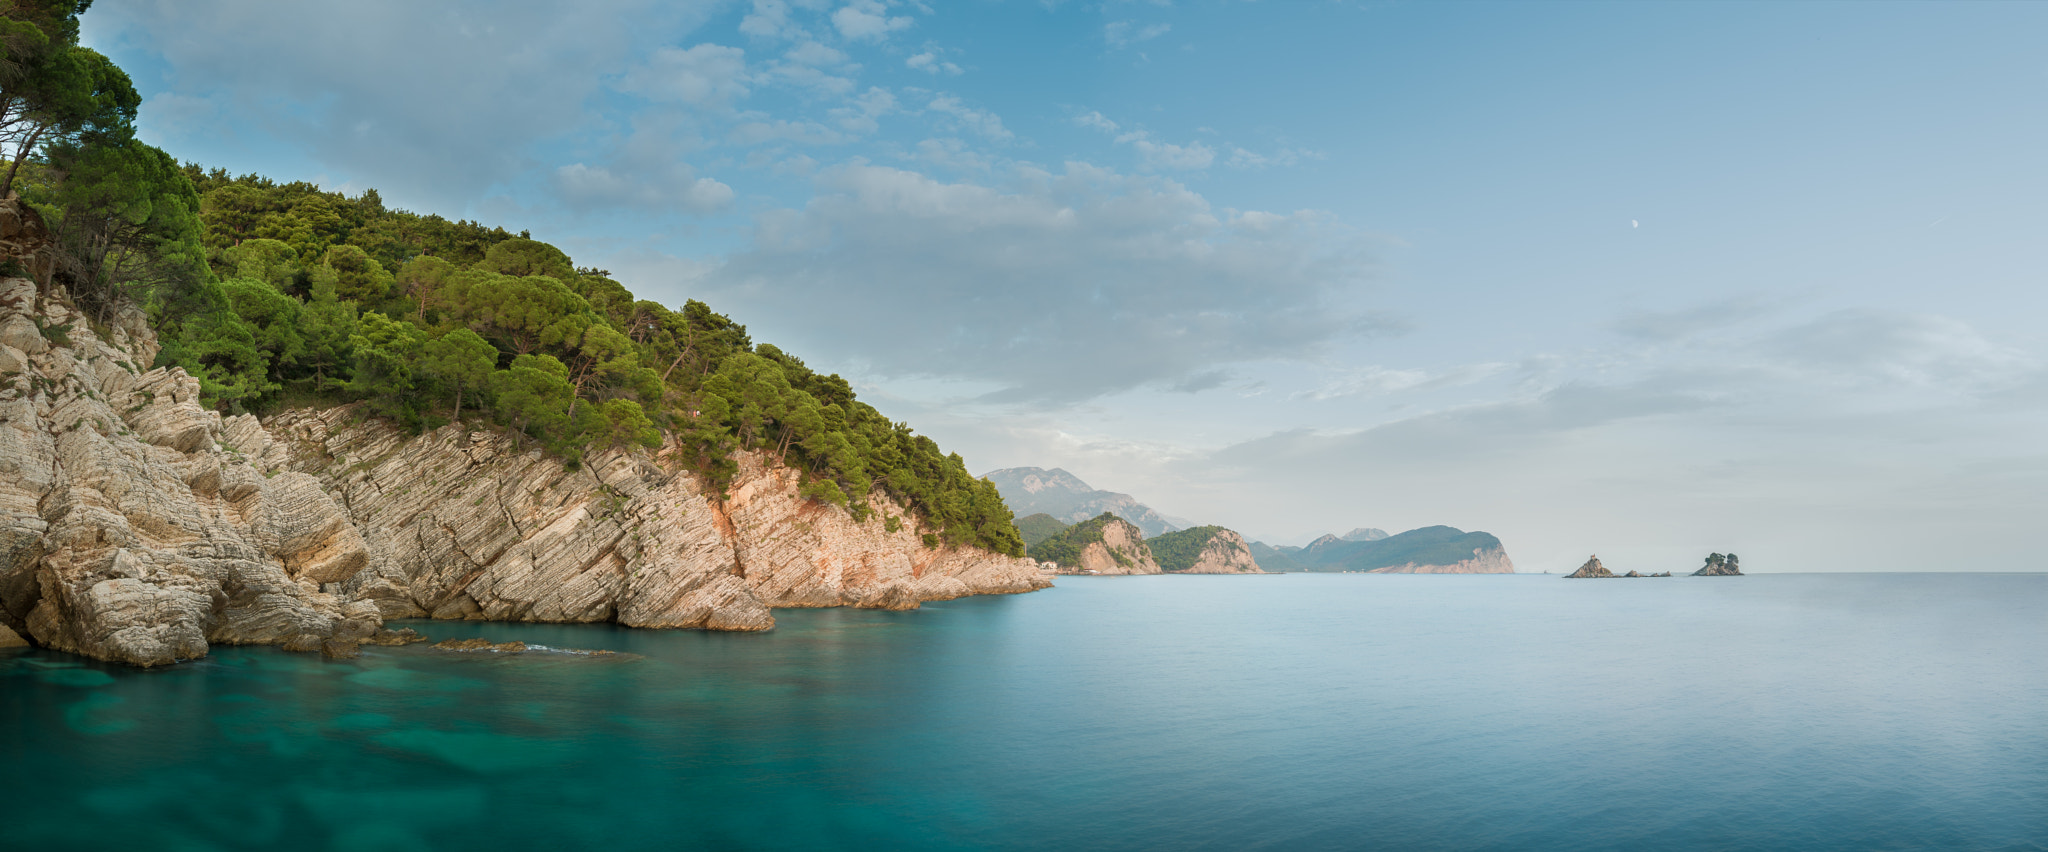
136	526
470	524
1222	551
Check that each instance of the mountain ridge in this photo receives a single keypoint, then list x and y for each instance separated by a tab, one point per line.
1064	496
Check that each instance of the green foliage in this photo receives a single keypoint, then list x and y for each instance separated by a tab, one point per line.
624	424
220	349
357	277
1270	558
387	367
271	291
268	261
461	362
126	220
1065	546
533	396
1179	550
1437	545
1038	527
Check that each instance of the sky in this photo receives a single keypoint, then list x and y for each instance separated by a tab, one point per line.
1641	280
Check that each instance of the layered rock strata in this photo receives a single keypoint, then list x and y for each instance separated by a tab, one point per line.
471	524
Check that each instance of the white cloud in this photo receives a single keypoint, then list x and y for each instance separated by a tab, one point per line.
761	130
1374	380
951	153
1057	285
1241	158
930	63
867	20
861	116
1126	33
817	55
466	76
676	188
1167	156
1153	155
705	75
985	123
1097	121
770	19
1862	348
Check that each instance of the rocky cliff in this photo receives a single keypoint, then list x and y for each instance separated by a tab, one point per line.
137	526
467	524
1204	550
1105	544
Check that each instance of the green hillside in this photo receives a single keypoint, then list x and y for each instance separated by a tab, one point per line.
1039	527
1065	546
1178	551
282	294
1272	559
1437	545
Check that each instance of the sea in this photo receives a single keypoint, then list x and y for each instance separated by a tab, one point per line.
1526	712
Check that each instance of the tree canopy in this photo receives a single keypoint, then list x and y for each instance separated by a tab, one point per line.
283	293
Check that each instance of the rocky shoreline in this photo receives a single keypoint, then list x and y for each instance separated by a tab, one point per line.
137	526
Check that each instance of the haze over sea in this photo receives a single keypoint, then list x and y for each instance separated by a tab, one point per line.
1787	711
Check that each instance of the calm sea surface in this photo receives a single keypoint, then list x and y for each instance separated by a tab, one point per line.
1807	712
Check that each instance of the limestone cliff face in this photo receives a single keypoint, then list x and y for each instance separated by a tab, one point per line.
133	526
1204	550
1226	553
1483	561
467	524
1122	550
137	526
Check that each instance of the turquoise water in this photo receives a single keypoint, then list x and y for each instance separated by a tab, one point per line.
1807	712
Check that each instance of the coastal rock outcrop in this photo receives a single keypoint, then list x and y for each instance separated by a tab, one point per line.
1592	568
138	526
472	525
1204	550
1720	565
1105	544
133	526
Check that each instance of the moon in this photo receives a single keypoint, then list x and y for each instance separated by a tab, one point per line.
1634	224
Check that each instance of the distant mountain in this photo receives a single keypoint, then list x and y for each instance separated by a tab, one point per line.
1364	534
1429	550
1274	559
1039	527
1031	490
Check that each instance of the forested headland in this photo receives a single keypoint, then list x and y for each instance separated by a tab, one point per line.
279	294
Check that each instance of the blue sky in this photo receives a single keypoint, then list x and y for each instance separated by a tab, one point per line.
1645	280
